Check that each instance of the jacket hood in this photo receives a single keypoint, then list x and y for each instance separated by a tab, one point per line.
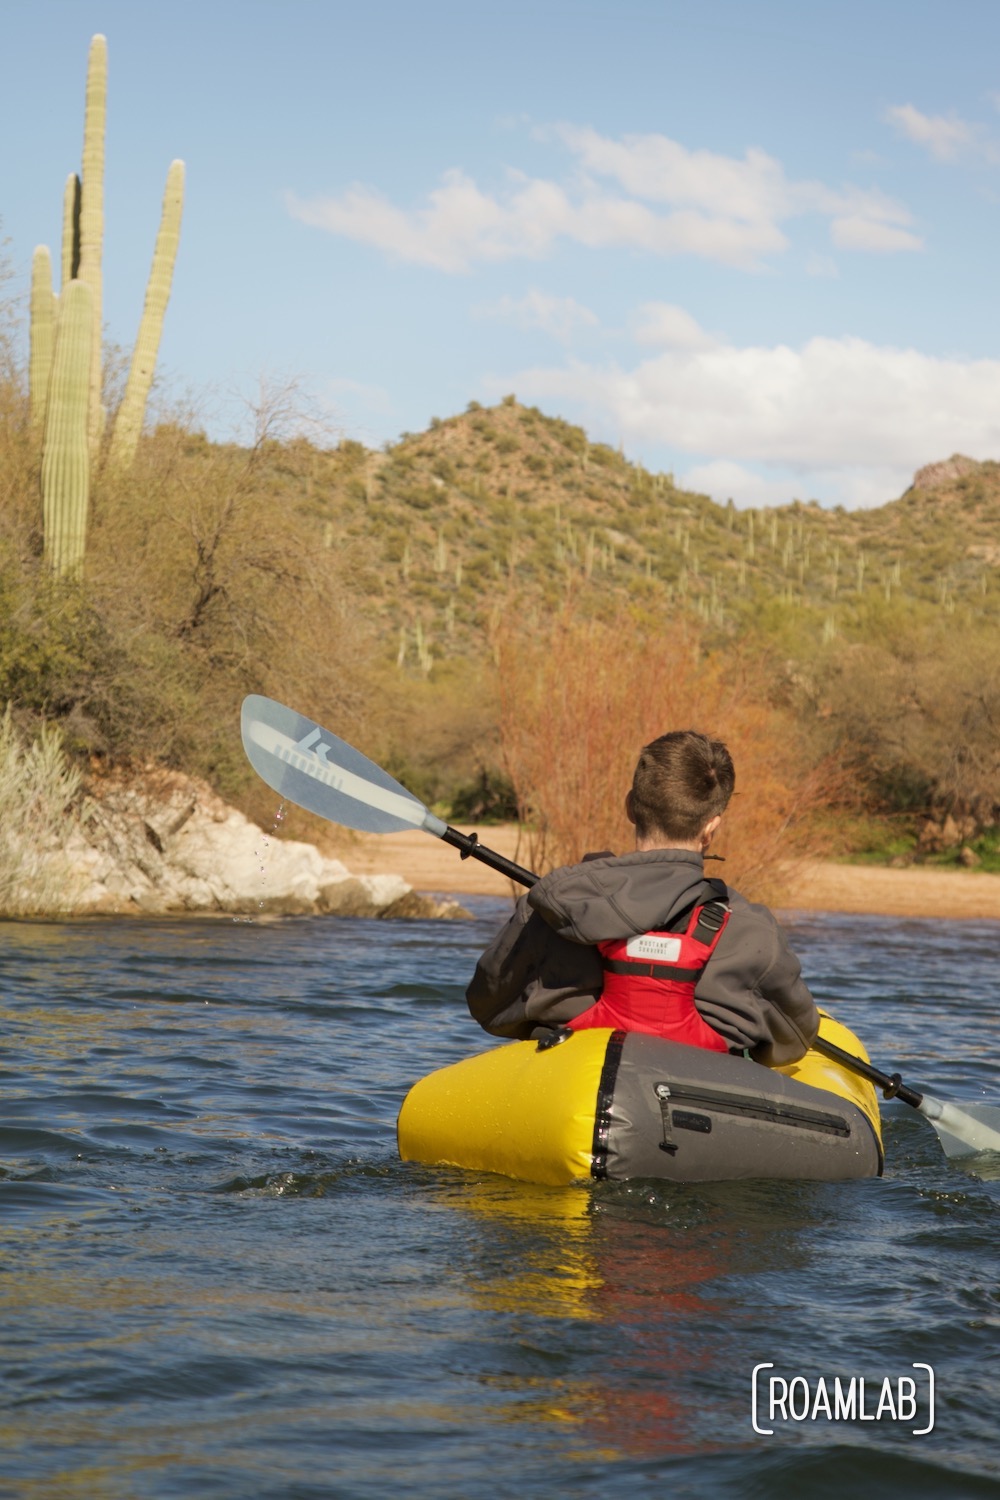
616	897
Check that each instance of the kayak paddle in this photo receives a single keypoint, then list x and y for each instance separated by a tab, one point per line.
963	1131
316	770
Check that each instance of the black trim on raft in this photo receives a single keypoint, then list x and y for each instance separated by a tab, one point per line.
602	1110
878	1144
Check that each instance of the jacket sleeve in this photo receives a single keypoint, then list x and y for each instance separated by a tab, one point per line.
752	991
531	976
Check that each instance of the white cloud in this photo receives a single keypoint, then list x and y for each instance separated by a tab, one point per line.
646	193
854	488
946	137
459	225
558	316
723	480
673	328
836	411
858	232
752	188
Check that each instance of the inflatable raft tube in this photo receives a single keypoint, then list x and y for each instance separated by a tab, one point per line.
610	1104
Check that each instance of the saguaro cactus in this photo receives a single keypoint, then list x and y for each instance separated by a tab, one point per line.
43	328
92	217
55	350
128	422
66	455
71	230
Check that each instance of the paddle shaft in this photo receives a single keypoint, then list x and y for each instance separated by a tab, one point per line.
891	1084
470	847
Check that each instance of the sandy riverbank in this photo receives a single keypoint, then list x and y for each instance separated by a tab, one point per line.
429	865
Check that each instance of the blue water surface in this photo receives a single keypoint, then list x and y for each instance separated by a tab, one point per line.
218	1280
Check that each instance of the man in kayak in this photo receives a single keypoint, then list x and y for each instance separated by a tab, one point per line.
644	941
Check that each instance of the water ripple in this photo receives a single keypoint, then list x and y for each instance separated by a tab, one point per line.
218	1279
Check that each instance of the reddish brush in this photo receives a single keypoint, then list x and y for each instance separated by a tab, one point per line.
581	697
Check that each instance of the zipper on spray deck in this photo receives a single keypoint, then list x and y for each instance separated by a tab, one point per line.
795	1116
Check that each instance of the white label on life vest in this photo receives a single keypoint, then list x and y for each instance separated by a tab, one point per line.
657	950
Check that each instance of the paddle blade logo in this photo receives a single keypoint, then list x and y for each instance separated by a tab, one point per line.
318	746
312	743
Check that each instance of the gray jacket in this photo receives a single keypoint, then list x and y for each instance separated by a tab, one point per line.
543	967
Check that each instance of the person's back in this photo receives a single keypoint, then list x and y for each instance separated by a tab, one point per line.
681	787
643	941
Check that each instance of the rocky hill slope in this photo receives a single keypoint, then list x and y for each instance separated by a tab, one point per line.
444	524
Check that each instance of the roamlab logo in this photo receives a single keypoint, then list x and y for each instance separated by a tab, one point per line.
784	1401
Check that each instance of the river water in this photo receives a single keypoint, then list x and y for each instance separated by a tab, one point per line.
217	1279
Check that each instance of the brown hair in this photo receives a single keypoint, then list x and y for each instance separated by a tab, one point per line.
682	780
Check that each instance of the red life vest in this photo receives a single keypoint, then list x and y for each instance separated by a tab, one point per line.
649	981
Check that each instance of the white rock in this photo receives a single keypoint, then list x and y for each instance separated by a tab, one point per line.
165	843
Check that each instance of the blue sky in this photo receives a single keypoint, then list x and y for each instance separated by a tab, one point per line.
754	242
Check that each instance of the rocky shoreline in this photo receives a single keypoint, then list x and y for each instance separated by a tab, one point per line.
151	842
161	843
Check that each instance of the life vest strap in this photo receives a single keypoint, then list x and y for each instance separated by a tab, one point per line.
650	971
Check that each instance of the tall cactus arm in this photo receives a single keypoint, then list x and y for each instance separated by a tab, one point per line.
66	453
42	336
128	423
71	230
92	217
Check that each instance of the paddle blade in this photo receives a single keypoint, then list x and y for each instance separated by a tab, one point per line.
314	769
964	1129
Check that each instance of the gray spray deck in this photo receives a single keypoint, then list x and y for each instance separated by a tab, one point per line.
689	1115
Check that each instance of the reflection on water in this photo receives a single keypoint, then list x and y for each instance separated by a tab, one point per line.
217	1279
648	1266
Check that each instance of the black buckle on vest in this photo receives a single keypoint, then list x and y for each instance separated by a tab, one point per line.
713	914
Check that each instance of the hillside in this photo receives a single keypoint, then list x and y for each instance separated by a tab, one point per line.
443	524
365	588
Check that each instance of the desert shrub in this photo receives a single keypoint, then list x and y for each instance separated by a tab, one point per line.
488	798
444	468
420	497
37	785
435	734
227	591
205	578
914	711
578	700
